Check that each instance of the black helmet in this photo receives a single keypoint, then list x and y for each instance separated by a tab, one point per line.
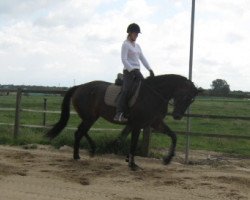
133	28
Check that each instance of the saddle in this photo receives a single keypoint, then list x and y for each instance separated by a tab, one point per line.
113	91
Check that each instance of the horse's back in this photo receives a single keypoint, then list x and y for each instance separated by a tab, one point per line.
88	97
90	90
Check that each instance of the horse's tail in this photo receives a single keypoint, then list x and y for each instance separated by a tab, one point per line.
65	112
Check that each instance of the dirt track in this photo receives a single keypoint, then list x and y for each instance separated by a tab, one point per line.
49	174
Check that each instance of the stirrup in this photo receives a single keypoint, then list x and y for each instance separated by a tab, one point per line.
120	118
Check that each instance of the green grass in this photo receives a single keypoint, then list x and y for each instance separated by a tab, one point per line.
214	106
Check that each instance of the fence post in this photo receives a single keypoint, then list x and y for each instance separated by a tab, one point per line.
146	141
17	114
44	108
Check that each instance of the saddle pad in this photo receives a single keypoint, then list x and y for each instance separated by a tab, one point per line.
112	93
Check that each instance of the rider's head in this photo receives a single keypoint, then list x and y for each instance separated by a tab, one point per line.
133	30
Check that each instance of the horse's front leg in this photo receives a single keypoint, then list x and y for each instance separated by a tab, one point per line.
163	128
116	144
133	146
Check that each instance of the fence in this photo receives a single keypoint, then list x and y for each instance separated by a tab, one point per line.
146	131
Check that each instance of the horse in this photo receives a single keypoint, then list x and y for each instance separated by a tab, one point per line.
149	110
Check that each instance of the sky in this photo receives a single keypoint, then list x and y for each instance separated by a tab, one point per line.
71	42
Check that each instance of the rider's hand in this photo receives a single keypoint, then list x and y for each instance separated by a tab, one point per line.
151	73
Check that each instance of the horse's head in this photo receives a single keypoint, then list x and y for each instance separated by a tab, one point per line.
183	97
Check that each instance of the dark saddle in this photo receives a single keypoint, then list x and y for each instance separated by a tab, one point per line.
113	91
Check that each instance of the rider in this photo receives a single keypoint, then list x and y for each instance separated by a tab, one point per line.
131	53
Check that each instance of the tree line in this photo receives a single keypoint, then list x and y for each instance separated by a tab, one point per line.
31	87
221	88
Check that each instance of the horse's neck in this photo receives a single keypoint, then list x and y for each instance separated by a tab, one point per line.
166	87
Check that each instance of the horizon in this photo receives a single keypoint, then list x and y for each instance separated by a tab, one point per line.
86	82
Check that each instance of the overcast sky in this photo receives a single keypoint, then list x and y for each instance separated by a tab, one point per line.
67	42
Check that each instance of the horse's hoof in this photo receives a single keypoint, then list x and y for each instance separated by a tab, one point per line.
76	157
134	167
166	160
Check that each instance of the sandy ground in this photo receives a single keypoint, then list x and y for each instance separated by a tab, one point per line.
46	173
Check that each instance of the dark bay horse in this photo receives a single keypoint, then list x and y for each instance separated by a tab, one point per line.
149	110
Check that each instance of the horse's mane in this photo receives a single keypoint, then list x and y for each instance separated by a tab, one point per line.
172	79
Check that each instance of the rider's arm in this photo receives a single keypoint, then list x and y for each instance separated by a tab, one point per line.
143	59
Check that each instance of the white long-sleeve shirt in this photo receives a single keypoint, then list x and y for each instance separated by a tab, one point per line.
131	54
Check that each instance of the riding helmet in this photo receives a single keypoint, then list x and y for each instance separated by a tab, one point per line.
133	28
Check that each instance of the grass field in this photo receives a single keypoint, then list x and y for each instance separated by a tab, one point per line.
215	106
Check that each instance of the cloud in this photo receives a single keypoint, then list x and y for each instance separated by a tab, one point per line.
138	10
220	39
70	13
58	41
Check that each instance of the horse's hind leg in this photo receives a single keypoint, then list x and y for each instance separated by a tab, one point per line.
82	130
133	146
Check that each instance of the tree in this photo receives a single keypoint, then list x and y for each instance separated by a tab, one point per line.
220	87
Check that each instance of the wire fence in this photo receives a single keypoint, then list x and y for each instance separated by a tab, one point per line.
146	134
